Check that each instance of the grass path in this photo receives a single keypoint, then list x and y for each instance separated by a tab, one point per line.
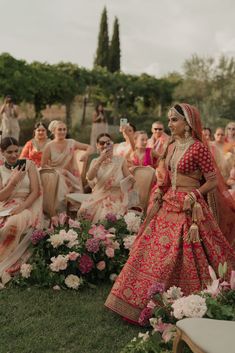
46	321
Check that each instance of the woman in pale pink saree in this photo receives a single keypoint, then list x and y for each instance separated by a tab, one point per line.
59	154
20	205
110	178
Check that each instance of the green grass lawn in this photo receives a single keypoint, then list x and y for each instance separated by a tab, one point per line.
46	321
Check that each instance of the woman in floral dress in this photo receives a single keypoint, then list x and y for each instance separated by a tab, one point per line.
180	237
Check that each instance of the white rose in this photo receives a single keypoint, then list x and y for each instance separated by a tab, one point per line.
129	241
72	281
25	270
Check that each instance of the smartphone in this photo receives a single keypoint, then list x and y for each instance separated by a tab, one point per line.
123	121
21	163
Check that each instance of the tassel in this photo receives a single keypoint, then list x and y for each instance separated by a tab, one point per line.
197	213
193	234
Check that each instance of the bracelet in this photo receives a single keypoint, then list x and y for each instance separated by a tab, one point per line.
198	193
192	197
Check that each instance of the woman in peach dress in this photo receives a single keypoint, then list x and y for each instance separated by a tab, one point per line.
20	205
59	155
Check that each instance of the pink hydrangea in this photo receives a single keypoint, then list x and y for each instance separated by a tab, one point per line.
85	264
111	217
145	316
93	245
37	236
155	288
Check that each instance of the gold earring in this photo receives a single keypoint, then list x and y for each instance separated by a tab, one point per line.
187	132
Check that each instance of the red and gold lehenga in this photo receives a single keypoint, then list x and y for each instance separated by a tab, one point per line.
162	251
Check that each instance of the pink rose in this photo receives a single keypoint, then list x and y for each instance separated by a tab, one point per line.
101	265
109	252
73	256
63	218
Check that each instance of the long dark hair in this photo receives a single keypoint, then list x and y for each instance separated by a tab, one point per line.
8	141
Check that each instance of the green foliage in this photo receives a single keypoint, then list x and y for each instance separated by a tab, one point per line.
114	49
102	53
209	84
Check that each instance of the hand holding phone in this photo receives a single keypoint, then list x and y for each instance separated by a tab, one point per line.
21	164
123	122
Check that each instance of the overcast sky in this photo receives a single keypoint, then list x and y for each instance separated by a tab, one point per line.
156	35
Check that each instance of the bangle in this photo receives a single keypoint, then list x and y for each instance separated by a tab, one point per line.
198	193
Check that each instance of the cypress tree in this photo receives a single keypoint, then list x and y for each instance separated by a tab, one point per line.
114	49
102	53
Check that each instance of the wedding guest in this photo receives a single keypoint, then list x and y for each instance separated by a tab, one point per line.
10	125
207	133
59	154
159	138
20	204
217	149
143	155
180	237
125	148
107	176
33	148
99	124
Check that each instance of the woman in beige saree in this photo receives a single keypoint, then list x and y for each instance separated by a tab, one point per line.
20	205
59	155
109	176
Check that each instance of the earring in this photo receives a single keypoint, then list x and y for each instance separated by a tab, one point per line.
187	132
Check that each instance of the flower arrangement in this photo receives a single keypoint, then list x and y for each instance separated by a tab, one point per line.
71	253
166	307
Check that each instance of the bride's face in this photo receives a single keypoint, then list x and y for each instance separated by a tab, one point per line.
176	125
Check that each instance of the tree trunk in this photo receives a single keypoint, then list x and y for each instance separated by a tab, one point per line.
68	106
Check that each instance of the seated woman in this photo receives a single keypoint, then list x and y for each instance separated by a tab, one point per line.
108	175
20	204
33	148
143	155
59	154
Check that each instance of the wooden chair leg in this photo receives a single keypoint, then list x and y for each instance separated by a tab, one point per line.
178	344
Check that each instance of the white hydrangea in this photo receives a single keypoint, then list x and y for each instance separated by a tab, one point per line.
59	263
191	306
133	222
129	241
72	281
174	293
25	270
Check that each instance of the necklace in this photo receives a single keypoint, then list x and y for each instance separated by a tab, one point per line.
10	166
180	149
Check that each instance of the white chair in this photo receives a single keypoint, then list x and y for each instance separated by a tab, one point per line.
205	336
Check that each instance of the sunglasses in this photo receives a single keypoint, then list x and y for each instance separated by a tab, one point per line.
107	143
158	128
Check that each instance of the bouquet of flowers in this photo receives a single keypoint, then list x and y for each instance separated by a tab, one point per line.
71	253
166	307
